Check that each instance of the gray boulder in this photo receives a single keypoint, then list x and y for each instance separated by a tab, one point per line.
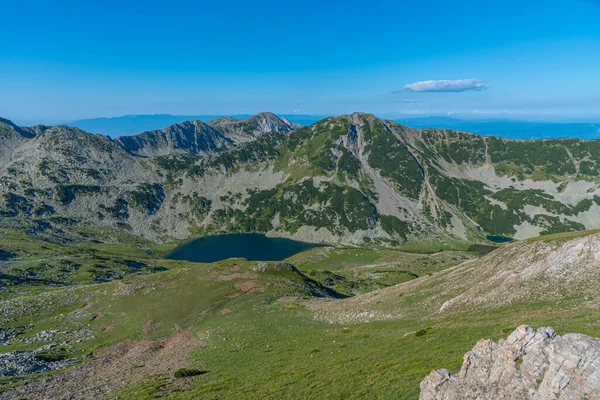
531	363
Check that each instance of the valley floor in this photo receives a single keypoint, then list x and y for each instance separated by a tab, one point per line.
327	323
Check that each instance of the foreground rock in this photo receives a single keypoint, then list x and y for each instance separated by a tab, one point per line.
529	364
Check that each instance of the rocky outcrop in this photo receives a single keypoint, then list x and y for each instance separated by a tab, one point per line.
531	363
12	136
26	362
241	130
8	129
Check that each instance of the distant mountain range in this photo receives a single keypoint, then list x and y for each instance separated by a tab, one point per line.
133	124
510	129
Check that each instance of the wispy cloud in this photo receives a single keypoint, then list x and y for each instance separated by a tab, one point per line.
457	85
414	112
407	101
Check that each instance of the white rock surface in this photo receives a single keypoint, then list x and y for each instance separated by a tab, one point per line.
534	364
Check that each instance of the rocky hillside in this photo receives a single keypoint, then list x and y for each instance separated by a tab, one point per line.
353	179
529	364
536	273
190	137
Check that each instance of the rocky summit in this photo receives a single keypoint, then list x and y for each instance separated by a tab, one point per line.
529	364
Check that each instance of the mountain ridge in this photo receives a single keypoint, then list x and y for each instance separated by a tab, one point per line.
353	179
193	137
135	123
513	129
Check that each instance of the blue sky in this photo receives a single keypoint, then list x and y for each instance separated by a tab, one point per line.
65	60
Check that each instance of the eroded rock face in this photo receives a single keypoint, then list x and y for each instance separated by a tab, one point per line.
531	363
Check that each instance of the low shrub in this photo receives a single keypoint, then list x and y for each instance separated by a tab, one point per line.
184	372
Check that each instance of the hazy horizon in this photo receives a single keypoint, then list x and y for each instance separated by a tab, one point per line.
466	118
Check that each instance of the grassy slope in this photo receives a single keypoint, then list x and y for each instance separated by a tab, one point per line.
269	345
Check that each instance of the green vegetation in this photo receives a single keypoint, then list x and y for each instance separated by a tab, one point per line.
175	163
35	263
472	198
255	331
455	146
184	372
16	205
67	193
556	225
265	342
199	205
562	237
393	225
330	206
391	157
551	156
355	271
347	162
120	209
147	197
262	149
43	210
315	143
52	356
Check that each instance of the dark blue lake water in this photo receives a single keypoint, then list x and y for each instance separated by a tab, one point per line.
499	239
251	246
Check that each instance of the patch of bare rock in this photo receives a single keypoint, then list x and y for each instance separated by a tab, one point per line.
531	363
113	368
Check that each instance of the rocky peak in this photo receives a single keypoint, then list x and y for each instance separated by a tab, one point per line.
9	130
63	137
269	122
529	364
4	121
69	147
241	130
193	137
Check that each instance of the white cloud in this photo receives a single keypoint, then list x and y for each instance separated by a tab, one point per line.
409	101
457	85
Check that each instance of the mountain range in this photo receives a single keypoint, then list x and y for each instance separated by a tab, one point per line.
353	179
133	124
510	128
514	129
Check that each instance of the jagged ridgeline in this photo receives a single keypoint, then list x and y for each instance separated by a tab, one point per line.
352	179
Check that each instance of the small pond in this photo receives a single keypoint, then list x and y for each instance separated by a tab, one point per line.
499	239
